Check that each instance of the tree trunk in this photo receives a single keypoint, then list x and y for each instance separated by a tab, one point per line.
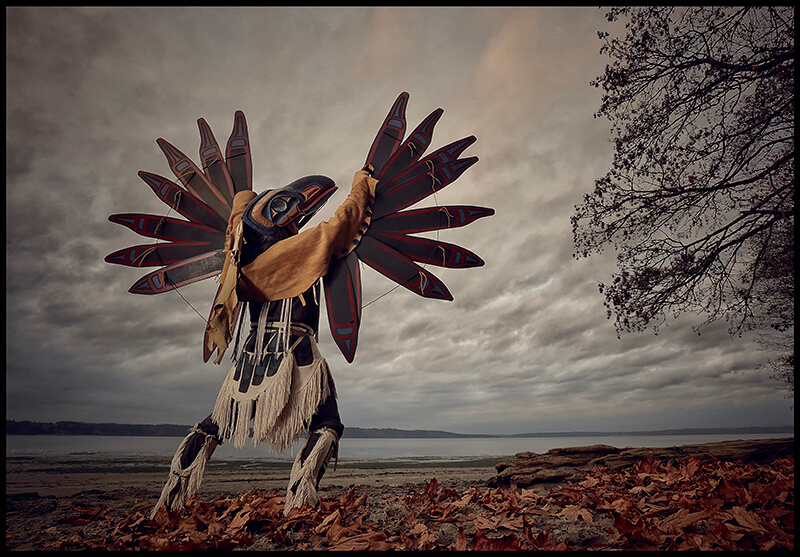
569	464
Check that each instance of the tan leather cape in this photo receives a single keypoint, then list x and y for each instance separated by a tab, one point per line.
289	267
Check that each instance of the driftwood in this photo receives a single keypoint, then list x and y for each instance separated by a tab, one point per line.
568	464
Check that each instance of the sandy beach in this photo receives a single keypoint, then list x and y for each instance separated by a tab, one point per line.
42	491
68	476
93	502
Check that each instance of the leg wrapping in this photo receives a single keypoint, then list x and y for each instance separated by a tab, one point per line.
187	470
308	469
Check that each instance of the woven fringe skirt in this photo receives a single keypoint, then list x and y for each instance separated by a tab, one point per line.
280	406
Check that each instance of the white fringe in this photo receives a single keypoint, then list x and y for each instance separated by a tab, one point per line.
310	387
234	410
270	402
261	329
307	473
191	477
281	410
283	331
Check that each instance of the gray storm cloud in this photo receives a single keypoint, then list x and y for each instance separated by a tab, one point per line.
524	346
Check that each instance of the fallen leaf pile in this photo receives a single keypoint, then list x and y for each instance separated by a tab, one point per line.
653	505
692	504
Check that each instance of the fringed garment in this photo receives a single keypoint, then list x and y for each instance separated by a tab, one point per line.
308	468
278	382
184	482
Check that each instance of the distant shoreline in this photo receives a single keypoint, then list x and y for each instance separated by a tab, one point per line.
14	427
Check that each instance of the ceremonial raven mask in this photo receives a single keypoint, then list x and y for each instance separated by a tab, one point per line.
289	207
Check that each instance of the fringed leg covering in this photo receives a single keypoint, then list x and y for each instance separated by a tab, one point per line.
184	482
308	469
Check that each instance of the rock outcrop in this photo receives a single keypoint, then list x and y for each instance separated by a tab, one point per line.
567	464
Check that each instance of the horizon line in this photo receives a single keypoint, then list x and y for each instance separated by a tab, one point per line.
733	429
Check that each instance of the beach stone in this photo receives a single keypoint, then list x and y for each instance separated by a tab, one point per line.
569	463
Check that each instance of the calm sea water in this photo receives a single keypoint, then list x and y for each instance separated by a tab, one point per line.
433	451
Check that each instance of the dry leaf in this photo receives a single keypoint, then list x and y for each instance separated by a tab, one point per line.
683	519
695	504
748	519
461	541
575	512
480	542
327	521
239	521
485	523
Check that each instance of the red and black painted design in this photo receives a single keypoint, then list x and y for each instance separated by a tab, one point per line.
168	228
237	155
411	149
214	164
431	252
445	155
183	202
401	269
193	248
386	246
342	287
157	254
180	274
389	136
406	193
428	219
194	179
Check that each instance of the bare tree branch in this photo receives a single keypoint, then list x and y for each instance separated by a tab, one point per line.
700	194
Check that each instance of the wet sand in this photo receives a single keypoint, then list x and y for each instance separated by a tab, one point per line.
67	476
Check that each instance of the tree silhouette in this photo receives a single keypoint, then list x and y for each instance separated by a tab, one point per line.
698	203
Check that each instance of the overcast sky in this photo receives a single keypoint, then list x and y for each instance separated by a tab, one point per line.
525	346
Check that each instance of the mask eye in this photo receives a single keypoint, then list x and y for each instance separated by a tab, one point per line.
279	205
